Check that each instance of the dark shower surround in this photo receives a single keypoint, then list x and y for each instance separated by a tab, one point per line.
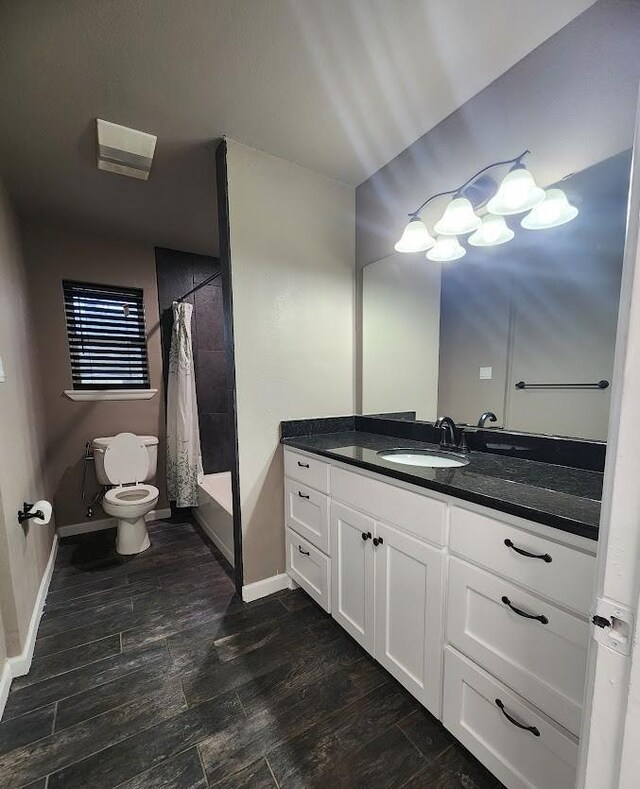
178	272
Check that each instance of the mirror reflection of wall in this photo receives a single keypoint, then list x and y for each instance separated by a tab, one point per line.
400	330
454	338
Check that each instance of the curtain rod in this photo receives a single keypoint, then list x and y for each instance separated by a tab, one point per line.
201	285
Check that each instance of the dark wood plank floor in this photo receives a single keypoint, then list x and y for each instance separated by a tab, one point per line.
151	673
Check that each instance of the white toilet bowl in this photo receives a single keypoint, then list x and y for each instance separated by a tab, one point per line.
126	464
129	504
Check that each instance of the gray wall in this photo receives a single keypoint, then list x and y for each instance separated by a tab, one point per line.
24	550
571	102
54	254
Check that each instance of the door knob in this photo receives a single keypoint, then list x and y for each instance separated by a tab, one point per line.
378	541
366	535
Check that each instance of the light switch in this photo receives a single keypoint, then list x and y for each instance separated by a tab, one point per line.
1	371
486	373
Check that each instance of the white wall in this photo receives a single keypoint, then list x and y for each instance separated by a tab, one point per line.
24	551
401	335
292	239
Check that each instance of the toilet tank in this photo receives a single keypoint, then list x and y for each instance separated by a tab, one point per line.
100	444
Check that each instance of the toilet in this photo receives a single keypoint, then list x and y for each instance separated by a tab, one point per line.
126	462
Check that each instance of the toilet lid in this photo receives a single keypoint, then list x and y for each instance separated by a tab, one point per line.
126	459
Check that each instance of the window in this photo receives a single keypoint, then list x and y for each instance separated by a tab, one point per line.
107	338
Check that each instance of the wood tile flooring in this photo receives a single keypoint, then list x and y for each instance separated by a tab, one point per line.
150	673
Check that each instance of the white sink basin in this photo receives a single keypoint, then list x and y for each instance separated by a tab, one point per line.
424	458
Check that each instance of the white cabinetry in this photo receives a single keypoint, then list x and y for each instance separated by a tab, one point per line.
559	572
408	612
307	512
386	591
352	573
309	568
520	746
504	664
535	647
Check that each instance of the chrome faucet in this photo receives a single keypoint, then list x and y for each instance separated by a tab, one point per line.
487	415
447	426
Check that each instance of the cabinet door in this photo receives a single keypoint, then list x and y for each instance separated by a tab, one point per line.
352	588
409	599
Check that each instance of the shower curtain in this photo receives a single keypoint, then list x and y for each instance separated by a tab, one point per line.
184	460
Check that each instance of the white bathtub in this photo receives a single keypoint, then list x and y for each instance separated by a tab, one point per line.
215	511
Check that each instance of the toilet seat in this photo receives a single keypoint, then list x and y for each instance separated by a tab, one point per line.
126	464
126	459
125	495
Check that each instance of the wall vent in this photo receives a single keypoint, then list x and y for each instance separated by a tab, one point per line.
124	151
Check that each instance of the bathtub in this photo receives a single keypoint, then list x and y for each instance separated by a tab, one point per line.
214	512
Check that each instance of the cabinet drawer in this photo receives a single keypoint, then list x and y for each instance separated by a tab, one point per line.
545	758
307	512
310	568
544	662
421	516
308	470
565	575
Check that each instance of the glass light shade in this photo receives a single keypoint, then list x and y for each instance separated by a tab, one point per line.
517	193
492	231
458	218
447	248
415	238
553	211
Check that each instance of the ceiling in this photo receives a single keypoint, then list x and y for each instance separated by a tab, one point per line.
338	86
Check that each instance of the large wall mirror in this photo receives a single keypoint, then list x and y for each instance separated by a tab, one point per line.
461	338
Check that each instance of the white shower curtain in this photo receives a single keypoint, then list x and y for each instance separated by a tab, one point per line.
184	460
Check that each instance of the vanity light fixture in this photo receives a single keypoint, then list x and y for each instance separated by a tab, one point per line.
492	231
554	210
458	219
517	193
415	238
446	249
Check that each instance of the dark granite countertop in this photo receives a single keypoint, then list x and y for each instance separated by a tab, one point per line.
557	496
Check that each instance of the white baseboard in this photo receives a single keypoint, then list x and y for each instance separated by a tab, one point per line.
5	685
158	515
265	587
19	665
215	539
106	523
86	526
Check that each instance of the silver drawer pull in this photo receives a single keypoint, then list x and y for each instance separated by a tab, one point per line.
305	553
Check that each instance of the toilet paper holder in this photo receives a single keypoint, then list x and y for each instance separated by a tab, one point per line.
28	512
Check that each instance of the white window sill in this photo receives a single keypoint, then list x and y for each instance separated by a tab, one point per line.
82	395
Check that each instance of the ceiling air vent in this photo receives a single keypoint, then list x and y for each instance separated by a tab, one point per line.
125	151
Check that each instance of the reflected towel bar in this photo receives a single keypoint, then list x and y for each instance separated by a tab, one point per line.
598	385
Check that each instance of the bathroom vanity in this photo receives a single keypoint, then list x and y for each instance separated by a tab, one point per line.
472	589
